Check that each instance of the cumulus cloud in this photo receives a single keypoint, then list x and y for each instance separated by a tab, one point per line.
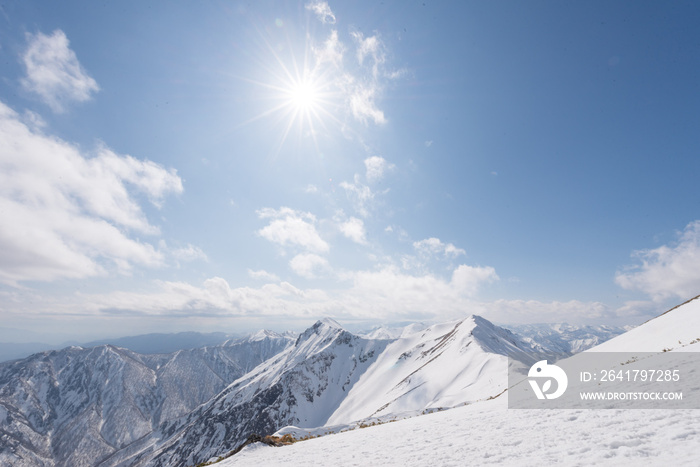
288	227
468	279
323	11
54	72
667	271
376	167
354	229
69	215
263	275
376	294
389	292
434	247
309	265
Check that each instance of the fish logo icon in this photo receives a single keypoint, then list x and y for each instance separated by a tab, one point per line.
542	370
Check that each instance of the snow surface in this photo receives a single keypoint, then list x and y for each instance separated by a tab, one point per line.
672	330
488	433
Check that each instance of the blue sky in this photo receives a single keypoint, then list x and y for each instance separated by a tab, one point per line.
228	166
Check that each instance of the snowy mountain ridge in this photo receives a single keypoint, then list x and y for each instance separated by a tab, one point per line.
77	405
189	406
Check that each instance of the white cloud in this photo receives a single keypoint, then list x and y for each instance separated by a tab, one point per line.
357	85
189	253
288	227
332	53
69	215
359	194
354	229
215	297
535	311
371	296
378	294
669	270
367	46
309	265
54	73
263	275
370	47
311	189
363	106
376	167
388	292
468	279
433	246
323	11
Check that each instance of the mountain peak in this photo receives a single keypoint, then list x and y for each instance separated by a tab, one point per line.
326	329
328	322
262	334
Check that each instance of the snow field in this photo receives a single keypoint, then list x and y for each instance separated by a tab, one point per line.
487	433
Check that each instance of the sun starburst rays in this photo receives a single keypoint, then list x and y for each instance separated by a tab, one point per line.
303	94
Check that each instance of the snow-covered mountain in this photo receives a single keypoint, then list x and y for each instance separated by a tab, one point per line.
108	406
442	366
78	405
384	332
332	376
673	330
302	386
487	433
567	339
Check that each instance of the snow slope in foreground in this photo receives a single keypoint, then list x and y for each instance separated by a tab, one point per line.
488	433
674	330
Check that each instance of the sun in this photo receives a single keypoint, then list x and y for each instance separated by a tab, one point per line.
306	102
304	95
303	91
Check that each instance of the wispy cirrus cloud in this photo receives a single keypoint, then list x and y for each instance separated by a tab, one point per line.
359	81
323	11
54	72
69	214
376	167
360	195
434	246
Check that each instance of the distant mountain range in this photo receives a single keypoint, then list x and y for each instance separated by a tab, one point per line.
565	338
110	406
145	343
